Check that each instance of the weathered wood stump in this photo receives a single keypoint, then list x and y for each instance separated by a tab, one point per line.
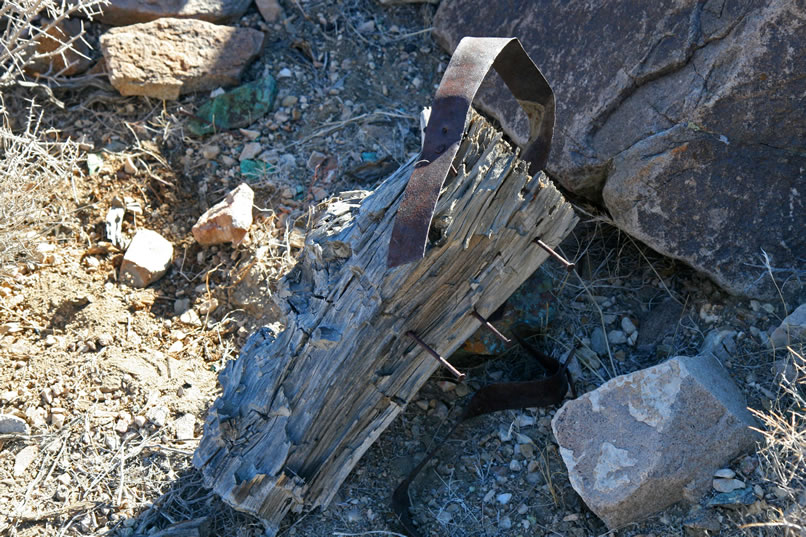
298	412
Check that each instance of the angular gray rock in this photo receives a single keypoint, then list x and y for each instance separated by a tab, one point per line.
791	330
10	424
684	120
643	441
125	12
147	259
169	57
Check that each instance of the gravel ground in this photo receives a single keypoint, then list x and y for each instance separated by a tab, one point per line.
114	382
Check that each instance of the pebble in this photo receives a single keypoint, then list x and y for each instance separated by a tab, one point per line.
250	151
185	426
158	415
506	523
147	259
503	498
250	134
725	473
24	458
105	339
489	496
444	517
10	424
616	337
462	390
228	161
527	450
190	317
140	421
628	326
57	420
598	342
728	485
209	152
446	386
285	72
289	100
515	465
181	305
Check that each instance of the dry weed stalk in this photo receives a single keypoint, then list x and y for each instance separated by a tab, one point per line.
23	22
31	170
783	456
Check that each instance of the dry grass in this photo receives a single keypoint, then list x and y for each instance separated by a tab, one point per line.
23	22
783	455
36	176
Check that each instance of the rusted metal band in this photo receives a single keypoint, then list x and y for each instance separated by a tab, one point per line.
545	391
471	61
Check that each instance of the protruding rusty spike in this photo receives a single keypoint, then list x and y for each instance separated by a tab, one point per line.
458	374
489	326
568	265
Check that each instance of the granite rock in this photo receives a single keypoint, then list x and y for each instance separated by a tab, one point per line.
643	441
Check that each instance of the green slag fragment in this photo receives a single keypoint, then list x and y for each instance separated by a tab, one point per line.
236	108
255	169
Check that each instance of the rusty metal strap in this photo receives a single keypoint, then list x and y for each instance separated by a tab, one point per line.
471	61
546	391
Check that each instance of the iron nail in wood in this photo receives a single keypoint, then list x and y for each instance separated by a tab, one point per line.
458	374
568	265
488	325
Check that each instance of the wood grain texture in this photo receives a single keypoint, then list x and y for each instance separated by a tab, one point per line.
298	412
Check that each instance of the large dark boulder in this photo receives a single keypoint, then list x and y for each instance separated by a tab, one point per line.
686	121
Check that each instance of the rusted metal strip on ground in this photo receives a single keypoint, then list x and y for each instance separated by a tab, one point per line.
470	63
546	391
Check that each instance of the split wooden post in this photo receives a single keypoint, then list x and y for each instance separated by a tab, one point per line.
298	412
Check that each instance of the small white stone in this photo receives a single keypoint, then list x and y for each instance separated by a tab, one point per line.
285	72
506	523
147	259
503	498
24	458
444	517
627	325
250	134
725	473
57	420
185	426
489	496
514	466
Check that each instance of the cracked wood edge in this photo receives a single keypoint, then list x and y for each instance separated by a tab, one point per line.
298	411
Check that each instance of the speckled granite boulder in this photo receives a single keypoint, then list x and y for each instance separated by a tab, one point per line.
643	441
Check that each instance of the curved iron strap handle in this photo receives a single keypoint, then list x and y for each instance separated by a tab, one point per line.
470	63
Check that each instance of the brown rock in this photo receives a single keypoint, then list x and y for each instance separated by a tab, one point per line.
125	12
269	9
228	221
72	61
169	57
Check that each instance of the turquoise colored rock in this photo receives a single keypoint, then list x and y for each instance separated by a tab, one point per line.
236	108
253	170
532	303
